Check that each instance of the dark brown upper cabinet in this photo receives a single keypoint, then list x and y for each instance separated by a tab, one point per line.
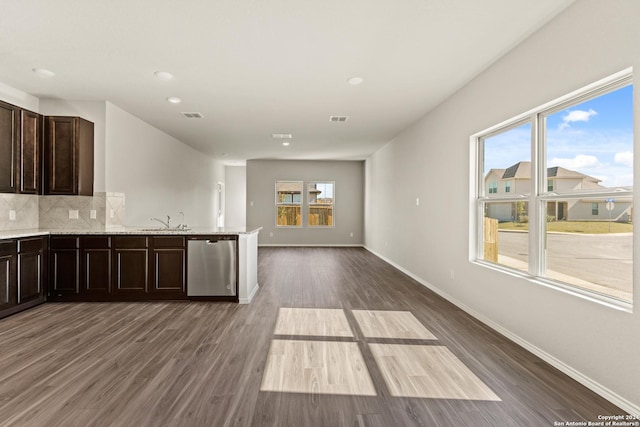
68	156
29	153
9	136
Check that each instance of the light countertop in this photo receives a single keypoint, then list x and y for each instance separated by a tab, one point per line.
31	232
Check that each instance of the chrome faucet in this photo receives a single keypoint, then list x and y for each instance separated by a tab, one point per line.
166	224
182	225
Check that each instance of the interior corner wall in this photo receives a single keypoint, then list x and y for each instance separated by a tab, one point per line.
349	201
599	345
159	174
235	196
94	111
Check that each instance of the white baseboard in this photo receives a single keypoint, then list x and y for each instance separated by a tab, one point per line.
248	299
311	245
592	385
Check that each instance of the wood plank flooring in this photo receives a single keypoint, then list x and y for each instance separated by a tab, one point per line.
203	364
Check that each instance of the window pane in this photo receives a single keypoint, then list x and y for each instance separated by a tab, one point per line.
591	254
289	216
321	215
288	192
321	199
507	160
590	144
506	234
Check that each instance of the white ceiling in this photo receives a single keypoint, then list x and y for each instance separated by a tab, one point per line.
258	67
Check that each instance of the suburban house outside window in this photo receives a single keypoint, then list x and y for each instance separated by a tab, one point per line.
568	157
321	202
289	203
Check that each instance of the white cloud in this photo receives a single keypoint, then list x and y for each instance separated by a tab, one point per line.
581	161
624	158
576	116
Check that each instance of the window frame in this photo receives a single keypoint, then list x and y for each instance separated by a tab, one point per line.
540	195
279	204
333	203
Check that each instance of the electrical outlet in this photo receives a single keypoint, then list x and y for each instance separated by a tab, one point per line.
112	213
351	234
73	214
417	201
271	234
452	274
93	214
12	215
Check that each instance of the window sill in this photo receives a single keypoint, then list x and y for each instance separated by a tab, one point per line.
562	287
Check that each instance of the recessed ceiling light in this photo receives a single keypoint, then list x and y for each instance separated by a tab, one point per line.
355	80
174	100
281	136
163	75
45	74
286	143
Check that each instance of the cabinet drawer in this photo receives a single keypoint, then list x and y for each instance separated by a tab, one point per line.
65	243
129	242
95	242
30	245
168	242
8	247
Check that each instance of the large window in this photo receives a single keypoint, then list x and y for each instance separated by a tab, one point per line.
321	201
566	215
289	203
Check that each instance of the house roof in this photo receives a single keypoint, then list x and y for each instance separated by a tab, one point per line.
522	170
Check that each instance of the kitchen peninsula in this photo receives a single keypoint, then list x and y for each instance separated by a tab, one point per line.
114	264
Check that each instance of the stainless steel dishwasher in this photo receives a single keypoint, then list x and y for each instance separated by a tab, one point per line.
211	266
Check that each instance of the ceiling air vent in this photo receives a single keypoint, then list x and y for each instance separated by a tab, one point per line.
338	118
193	115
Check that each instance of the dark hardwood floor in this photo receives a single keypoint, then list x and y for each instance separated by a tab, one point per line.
202	363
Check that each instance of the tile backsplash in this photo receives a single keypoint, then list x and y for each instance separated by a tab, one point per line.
61	212
23	208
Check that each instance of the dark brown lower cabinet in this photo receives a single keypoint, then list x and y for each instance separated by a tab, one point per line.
65	267
169	266
96	266
31	269
131	266
8	276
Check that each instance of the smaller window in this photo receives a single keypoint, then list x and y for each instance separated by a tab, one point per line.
493	187
289	203
594	209
507	187
321	200
549	185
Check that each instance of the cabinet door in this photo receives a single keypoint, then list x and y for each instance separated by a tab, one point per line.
9	133
64	266
64	272
131	271
8	285
29	150
97	271
61	156
30	277
169	270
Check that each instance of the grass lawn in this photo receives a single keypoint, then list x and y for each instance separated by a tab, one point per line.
587	227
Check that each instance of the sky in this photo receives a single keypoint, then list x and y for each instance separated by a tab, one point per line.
594	137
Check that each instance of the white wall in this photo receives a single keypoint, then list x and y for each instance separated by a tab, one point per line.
236	196
348	176
590	40
17	97
159	175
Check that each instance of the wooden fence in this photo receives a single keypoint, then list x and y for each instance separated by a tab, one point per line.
491	239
